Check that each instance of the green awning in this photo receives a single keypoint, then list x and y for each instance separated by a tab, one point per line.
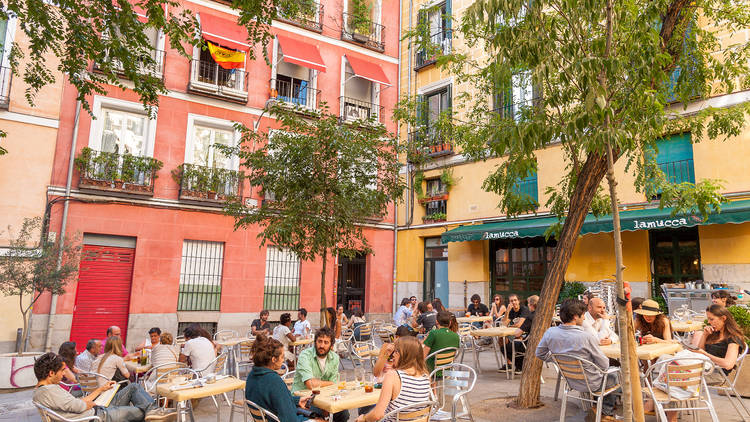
645	219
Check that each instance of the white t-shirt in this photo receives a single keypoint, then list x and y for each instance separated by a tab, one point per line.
201	352
302	328
279	333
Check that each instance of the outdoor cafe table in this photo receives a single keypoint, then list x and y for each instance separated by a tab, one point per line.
350	399
136	368
233	344
685	327
497	333
473	319
300	342
644	351
181	397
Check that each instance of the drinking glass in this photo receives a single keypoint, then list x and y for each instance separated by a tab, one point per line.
342	381
359	375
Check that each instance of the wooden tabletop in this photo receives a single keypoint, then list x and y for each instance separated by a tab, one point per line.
301	341
351	399
495	332
137	368
233	341
221	386
686	326
645	351
474	319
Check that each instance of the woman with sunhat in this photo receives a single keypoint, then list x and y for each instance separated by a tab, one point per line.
652	323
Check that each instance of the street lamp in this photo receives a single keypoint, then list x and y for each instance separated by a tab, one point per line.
269	103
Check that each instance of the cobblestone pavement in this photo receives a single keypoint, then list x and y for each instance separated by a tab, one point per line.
488	401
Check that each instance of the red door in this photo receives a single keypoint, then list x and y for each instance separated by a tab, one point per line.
103	293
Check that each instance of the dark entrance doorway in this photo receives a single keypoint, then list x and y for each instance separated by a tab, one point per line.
675	257
436	283
351	284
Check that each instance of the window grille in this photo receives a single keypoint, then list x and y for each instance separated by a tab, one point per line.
281	286
200	276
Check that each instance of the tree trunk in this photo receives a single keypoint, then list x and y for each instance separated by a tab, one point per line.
589	178
22	348
323	319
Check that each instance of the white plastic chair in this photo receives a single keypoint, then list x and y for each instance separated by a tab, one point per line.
574	369
49	415
681	376
728	387
451	384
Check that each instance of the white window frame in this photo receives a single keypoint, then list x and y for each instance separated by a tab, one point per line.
97	125
312	80
241	89
377	12
212	122
374	91
521	92
10	32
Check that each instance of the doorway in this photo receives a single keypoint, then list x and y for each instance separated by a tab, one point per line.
435	271
351	283
675	257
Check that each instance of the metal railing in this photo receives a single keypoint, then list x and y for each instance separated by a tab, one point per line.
143	65
312	19
364	31
432	207
200	276
510	109
353	110
434	141
440	44
209	183
223	80
122	172
679	171
282	277
296	92
5	76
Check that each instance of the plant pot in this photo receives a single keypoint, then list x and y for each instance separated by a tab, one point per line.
17	371
360	38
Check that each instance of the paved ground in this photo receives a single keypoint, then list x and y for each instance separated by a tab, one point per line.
488	402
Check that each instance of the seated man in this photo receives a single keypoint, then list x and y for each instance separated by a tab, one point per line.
115	331
440	339
85	360
302	327
317	367
199	349
152	340
261	325
570	338
524	317
130	403
596	322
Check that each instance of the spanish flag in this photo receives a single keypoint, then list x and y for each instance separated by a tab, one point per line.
226	58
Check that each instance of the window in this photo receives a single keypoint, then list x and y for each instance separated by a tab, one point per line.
512	97
208	326
519	265
200	276
362	23
527	186
436	26
436	207
309	15
155	52
431	107
435	187
202	136
293	84
281	286
361	97
689	73
675	158
208	77
7	30
121	127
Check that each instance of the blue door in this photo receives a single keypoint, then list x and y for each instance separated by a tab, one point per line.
441	281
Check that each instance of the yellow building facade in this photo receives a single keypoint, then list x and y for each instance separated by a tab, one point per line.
31	135
472	248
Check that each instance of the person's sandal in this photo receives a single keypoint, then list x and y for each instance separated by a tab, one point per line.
160	414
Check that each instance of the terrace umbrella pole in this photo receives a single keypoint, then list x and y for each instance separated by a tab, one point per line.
632	399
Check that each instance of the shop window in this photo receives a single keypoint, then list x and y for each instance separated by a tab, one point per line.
520	265
200	276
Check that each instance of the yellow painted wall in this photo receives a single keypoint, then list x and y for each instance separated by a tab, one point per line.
725	244
594	257
468	261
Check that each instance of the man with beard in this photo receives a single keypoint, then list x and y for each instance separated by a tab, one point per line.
319	367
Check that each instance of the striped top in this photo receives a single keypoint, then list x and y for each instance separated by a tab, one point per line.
413	390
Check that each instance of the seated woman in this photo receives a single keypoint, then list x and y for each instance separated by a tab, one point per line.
67	352
283	333
497	310
652	323
265	387
110	363
721	297
164	351
721	342
408	383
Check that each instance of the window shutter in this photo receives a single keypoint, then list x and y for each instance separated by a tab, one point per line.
449	99
421	110
447	20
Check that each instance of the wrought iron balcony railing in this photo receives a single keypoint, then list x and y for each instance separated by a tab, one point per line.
209	78
311	19
211	184
364	31
117	172
353	110
295	92
440	43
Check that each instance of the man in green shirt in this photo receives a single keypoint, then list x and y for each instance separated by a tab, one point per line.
317	367
440	338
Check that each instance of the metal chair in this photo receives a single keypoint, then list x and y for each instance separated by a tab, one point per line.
288	379
469	343
157	371
443	357
225	335
417	412
728	386
384	334
681	376
516	353
363	351
89	381
365	333
574	369
166	375
246	354
179	341
451	384
49	415
257	413
219	366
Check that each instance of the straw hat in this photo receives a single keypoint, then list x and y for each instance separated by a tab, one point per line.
649	307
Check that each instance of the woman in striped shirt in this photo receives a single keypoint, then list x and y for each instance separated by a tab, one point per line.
407	384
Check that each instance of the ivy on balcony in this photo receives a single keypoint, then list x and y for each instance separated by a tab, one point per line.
211	184
117	172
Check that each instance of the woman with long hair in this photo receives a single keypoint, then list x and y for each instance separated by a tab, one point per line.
265	387
408	383
497	311
723	298
652	323
437	305
332	319
110	363
67	352
721	341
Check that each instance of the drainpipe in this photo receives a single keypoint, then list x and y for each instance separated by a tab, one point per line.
395	206
409	211
63	227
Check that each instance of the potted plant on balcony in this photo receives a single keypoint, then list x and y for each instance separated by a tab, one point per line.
435	217
360	22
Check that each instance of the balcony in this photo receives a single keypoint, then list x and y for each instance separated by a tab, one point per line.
678	171
208	78
513	109
295	92
353	110
311	19
440	43
363	31
207	184
152	64
5	77
430	142
119	173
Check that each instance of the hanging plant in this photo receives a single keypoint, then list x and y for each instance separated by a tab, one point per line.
418	180
447	178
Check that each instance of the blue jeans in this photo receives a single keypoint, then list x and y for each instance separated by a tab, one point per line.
609	401
128	405
342	416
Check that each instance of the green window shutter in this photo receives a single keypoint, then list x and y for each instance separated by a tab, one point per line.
528	186
449	99
447	19
3	31
421	110
675	158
